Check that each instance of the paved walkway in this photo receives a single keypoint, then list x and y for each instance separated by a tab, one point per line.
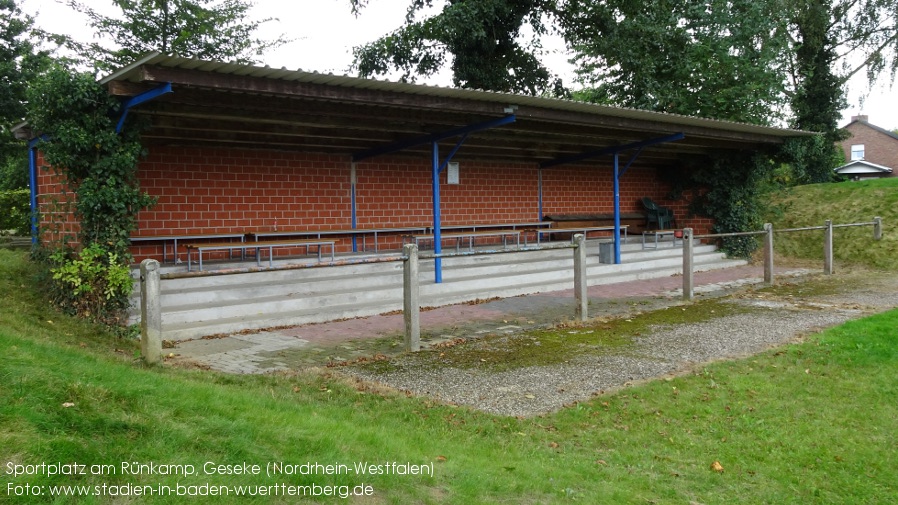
318	344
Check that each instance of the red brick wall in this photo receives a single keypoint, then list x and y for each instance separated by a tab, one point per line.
879	147
241	191
56	205
227	191
397	192
590	190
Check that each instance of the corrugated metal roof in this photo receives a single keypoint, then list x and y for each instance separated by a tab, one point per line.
131	73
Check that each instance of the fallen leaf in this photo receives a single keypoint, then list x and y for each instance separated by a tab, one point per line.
717	467
441	458
553	445
601	462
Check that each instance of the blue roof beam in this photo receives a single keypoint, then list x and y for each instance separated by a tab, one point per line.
434	137
136	100
611	150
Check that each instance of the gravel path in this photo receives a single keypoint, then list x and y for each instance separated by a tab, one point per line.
770	320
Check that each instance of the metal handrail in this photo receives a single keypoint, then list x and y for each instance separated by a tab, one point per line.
782	230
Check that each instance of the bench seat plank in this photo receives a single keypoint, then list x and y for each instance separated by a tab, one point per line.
258	246
471	235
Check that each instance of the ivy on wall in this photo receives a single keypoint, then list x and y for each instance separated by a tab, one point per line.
98	166
728	187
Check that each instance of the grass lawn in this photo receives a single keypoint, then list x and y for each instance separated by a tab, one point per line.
845	202
807	423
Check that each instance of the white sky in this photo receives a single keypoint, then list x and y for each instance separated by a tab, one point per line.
325	31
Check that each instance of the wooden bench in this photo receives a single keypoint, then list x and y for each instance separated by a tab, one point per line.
257	246
585	230
563	223
471	235
507	226
531	227
175	238
364	232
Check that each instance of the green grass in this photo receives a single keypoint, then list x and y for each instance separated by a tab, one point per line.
808	423
846	202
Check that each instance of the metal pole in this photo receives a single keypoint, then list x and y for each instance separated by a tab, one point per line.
828	248
877	228
616	209
411	305
539	191
352	205
437	242
768	254
580	277
32	175
688	281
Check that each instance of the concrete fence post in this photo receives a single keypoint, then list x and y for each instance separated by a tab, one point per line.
828	248
688	280
877	228
150	312
580	277
411	304
768	254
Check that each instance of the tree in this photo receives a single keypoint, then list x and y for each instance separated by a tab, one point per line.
204	29
681	56
819	93
20	61
484	39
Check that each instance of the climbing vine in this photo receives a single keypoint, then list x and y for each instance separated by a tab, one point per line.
728	186
99	167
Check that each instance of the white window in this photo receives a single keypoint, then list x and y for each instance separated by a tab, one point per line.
857	152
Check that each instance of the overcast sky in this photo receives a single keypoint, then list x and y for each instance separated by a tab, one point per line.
325	31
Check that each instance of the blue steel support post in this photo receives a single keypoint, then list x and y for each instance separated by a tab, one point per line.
32	183
539	197
616	209
437	246
352	203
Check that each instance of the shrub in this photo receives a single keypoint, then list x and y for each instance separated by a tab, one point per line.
92	283
15	212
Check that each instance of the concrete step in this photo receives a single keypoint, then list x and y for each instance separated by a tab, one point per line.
228	303
390	300
255	292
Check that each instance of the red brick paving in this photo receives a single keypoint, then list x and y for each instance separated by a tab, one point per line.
508	309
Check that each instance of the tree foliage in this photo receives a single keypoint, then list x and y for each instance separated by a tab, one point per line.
21	60
99	166
681	56
819	96
482	40
206	29
79	117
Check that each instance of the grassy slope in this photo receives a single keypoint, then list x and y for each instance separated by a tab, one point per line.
810	423
847	202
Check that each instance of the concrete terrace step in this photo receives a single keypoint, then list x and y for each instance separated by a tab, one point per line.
271	286
392	301
196	306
